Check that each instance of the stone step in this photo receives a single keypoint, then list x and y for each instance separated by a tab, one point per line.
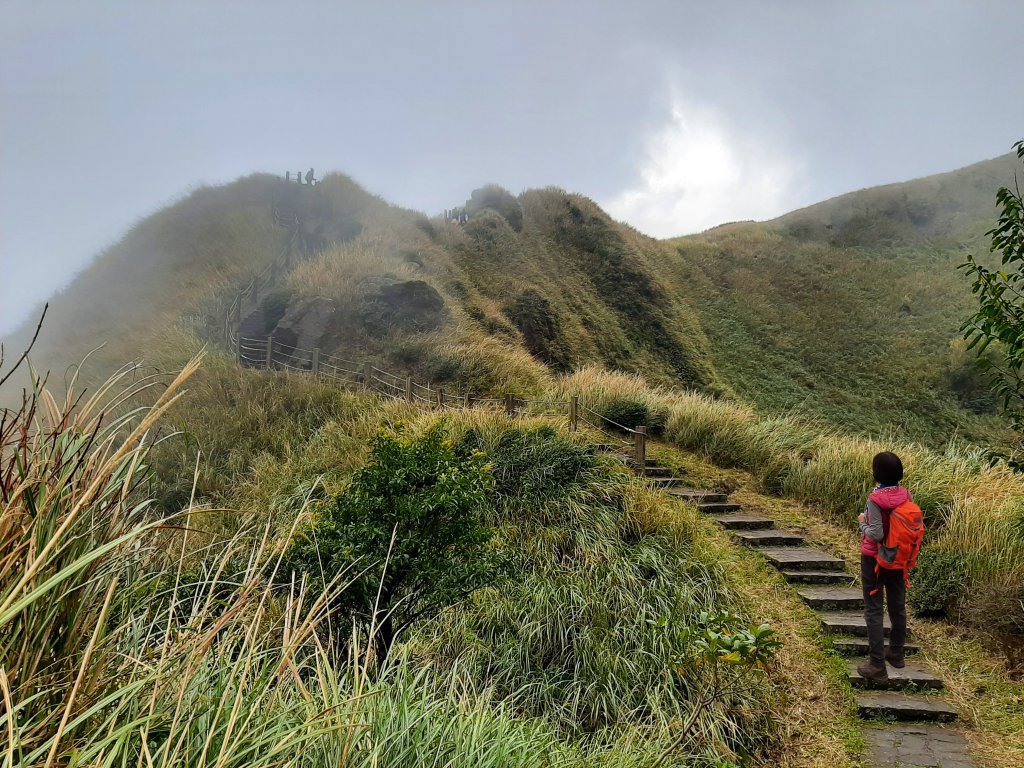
650	471
914	745
848	645
833	598
850	623
743	521
803	559
697	495
718	507
911	675
819	577
902	706
768	538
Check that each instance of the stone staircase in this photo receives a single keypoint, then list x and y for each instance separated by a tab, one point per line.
902	712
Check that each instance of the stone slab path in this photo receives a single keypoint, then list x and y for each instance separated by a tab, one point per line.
904	712
916	746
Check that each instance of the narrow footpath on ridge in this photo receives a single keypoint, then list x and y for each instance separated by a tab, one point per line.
907	723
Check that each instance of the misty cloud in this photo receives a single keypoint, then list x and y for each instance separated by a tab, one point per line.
700	170
111	109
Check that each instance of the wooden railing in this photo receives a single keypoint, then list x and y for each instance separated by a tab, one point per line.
267	353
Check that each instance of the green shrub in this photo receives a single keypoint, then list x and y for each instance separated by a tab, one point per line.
534	465
500	201
541	327
407	533
938	582
634	413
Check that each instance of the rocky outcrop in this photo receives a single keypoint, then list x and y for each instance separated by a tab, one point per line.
392	305
305	323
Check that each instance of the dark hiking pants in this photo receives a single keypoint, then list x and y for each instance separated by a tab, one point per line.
892	585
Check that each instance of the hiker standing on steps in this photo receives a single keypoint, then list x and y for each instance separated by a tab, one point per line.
309	177
875	523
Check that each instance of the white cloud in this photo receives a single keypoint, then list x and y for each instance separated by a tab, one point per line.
699	171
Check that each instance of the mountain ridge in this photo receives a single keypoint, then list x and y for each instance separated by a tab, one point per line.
805	312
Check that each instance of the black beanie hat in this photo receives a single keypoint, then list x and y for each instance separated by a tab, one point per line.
887	468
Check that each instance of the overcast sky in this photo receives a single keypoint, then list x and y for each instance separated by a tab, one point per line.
675	116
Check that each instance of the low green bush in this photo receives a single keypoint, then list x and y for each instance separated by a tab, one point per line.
534	465
938	582
634	413
406	534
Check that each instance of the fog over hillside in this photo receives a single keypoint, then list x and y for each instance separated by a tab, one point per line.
673	116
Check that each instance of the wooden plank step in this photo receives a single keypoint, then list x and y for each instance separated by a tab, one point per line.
718	507
850	623
819	577
902	706
848	645
833	598
768	538
803	559
911	675
743	521
697	495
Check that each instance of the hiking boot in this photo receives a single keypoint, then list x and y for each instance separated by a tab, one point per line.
895	658
869	671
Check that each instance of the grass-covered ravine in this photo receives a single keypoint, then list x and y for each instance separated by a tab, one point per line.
191	629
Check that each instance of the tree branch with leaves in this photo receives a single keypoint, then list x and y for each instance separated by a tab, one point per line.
1000	291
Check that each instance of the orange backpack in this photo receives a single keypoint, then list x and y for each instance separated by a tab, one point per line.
898	552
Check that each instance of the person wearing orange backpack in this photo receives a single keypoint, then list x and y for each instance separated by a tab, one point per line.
891	530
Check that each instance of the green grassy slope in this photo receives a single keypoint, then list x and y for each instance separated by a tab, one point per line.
850	309
847	310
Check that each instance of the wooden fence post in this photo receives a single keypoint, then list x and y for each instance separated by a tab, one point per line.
641	448
270	351
238	348
408	389
510	404
574	412
316	362
367	375
467	402
440	398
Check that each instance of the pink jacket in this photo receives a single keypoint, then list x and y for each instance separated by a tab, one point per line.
873	528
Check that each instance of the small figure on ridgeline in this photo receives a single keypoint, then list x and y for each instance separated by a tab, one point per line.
288	176
309	177
298	176
892	528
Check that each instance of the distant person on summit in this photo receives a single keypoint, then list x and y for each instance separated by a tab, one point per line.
891	528
309	177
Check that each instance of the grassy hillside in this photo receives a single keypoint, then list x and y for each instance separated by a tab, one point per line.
849	310
583	658
846	311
